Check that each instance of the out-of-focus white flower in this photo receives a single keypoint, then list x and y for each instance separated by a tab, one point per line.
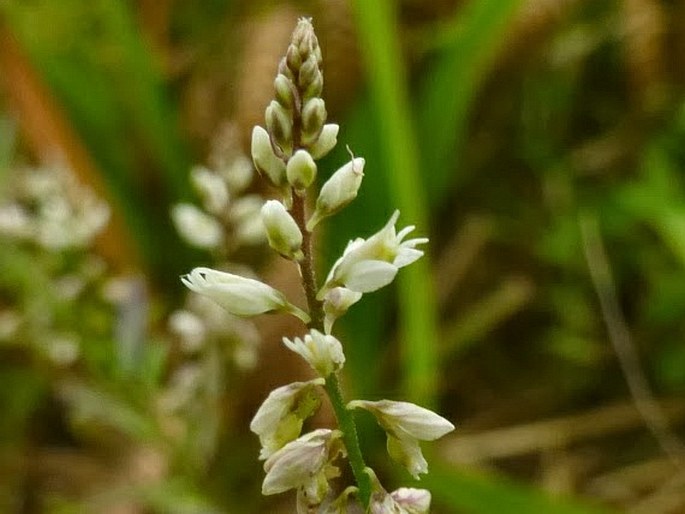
239	295
196	227
281	230
368	265
279	419
15	222
238	174
189	328
323	353
302	462
211	187
338	191
62	349
406	424
335	304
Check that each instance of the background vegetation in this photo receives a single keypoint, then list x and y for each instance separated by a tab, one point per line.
539	143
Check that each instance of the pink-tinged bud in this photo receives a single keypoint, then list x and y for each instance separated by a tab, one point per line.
301	461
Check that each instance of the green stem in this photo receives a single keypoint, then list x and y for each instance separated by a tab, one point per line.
344	417
349	429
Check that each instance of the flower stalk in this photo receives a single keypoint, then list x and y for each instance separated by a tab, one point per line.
296	134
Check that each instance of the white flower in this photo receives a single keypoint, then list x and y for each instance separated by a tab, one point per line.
406	424
281	230
323	353
239	295
368	265
279	419
196	227
302	461
401	501
413	501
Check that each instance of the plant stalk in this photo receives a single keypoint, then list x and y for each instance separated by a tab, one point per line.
344	417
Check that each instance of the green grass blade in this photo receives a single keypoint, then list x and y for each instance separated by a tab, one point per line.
377	27
467	48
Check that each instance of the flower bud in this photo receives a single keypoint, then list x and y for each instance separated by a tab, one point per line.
323	353
338	191
285	94
281	230
279	124
313	117
308	72
239	295
315	87
326	141
301	170
335	304
265	160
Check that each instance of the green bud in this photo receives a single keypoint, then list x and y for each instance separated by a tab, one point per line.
313	117
279	123
265	160
285	91
281	230
301	170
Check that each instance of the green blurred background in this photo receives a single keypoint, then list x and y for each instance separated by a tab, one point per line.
538	143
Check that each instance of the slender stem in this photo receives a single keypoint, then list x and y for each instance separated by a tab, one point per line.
349	429
345	419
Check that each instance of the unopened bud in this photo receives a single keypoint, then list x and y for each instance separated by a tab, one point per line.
326	141
335	304
301	170
285	94
308	72
315	87
281	230
279	124
265	160
338	191
313	117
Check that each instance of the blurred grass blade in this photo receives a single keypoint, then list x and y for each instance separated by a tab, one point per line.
467	49
377	27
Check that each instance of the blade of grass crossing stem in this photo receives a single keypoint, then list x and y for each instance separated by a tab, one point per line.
377	26
466	49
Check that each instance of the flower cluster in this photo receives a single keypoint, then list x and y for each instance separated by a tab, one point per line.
285	152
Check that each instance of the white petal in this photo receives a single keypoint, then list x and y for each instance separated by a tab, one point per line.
369	275
407	452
